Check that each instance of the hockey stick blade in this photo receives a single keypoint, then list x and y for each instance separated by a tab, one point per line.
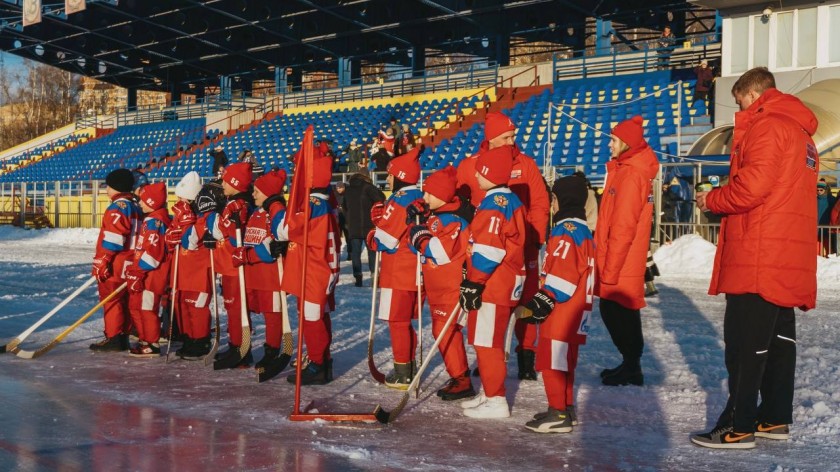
212	354
10	346
273	369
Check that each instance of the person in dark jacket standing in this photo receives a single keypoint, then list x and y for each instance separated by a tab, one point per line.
220	160
765	260
359	197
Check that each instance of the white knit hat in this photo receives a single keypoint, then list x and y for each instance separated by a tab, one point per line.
189	186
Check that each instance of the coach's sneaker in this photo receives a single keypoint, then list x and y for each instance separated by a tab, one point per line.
570	410
114	344
551	421
772	431
628	374
492	407
474	401
723	437
401	377
145	350
608	372
457	388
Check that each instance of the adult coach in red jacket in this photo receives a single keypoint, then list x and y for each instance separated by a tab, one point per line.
621	246
765	261
527	183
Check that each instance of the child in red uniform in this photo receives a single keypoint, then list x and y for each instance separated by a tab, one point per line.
195	283
398	270
148	276
527	183
262	279
321	271
442	240
495	274
221	236
114	248
563	304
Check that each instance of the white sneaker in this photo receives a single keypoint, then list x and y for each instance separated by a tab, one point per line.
493	407
474	401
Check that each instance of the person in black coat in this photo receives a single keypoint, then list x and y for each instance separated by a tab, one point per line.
359	197
220	160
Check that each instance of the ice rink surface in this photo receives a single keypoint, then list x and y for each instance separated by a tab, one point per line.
75	410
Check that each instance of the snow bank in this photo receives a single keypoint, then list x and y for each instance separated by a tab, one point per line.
692	256
688	256
74	236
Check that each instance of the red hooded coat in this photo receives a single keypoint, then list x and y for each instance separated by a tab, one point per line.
624	219
766	243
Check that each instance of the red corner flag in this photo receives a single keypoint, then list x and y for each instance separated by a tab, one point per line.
302	180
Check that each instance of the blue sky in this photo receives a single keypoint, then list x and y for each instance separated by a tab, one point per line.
10	60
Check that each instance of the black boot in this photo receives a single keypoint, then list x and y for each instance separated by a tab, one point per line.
117	343
271	353
525	359
358	281
221	354
608	372
314	374
186	349
630	373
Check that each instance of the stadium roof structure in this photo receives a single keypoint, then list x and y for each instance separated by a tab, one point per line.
168	45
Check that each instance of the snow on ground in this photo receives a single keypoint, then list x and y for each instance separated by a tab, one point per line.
76	410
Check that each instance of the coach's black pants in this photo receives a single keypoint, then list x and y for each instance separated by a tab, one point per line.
760	357
625	328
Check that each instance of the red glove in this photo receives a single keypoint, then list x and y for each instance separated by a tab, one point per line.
173	237
240	256
182	215
236	212
135	276
371	241
376	212
418	210
102	267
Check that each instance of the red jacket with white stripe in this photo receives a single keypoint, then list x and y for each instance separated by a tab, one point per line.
399	261
497	239
194	259
568	275
151	253
443	255
119	230
224	227
322	255
526	182
261	271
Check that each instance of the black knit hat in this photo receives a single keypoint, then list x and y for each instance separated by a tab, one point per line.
571	193
120	180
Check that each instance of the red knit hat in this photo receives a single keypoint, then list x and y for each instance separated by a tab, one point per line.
238	175
495	164
271	183
630	132
154	195
442	184
406	167
322	170
495	124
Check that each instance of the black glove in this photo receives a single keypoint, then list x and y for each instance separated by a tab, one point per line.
417	209
540	307
208	241
278	248
419	235
470	298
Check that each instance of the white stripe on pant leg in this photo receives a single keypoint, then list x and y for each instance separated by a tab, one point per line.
148	302
275	302
201	300
311	311
559	356
761	352
485	325
785	339
385	303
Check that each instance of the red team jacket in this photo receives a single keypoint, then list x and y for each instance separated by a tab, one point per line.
526	182
444	255
194	259
568	275
224	230
118	234
261	271
151	253
322	258
497	237
399	261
